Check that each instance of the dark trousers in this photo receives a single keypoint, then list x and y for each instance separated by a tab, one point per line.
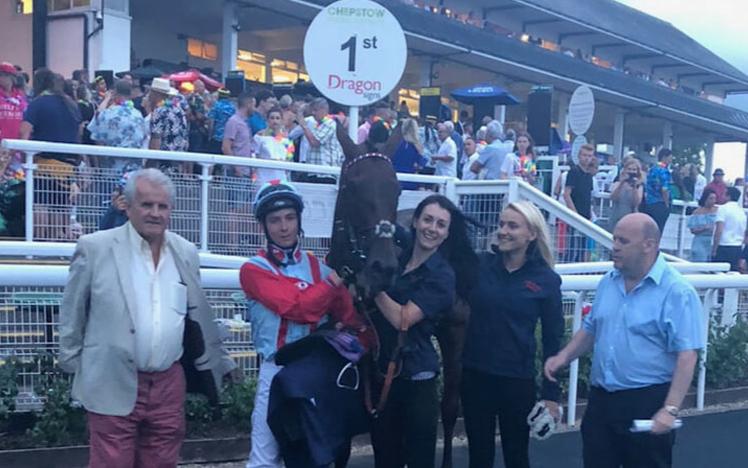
608	443
729	254
486	396
659	212
404	434
576	246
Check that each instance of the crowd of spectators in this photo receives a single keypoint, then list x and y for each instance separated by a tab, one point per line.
160	116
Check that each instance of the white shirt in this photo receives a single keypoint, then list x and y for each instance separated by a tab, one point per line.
734	219
304	145
443	168
699	187
467	174
270	148
510	166
160	303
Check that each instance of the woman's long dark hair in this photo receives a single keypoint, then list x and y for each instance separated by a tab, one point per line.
45	80
456	248
530	149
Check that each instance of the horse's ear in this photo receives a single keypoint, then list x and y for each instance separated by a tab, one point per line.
393	142
350	148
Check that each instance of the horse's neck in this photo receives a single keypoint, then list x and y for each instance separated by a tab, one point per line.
338	241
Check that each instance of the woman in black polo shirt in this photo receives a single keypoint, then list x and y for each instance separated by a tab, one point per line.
438	264
516	287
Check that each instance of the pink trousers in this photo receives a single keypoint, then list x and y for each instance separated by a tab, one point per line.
149	437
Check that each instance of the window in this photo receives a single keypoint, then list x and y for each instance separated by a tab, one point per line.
411	98
252	70
201	49
253	65
61	5
24	7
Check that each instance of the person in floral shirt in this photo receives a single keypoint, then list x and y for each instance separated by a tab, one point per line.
169	129
218	115
118	123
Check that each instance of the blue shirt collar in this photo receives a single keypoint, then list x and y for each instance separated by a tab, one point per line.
655	273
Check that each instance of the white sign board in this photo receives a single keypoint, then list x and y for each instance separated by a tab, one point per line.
581	110
578	142
355	52
319	206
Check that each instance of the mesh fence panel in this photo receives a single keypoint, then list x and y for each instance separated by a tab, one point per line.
29	319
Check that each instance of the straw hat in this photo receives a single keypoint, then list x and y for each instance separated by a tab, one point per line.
162	85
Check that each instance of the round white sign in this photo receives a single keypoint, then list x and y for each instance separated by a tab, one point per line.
581	110
355	52
576	144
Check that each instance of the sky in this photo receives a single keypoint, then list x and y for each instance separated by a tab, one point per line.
720	26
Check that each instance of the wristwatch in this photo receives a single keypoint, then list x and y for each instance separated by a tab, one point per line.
672	410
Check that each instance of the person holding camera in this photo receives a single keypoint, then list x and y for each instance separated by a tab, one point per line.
627	192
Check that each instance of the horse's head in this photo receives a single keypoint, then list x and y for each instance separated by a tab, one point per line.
365	217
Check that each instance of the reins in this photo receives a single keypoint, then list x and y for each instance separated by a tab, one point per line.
355	260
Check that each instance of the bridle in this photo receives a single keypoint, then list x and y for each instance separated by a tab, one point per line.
354	261
359	239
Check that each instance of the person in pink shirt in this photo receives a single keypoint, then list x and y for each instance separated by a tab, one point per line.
718	186
11	115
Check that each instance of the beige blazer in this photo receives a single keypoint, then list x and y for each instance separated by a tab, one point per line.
97	331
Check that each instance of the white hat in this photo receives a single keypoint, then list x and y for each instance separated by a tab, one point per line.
162	85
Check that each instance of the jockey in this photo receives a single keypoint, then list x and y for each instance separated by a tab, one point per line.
290	292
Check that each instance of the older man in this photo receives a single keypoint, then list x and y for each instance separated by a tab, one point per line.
320	130
137	331
445	159
645	329
493	158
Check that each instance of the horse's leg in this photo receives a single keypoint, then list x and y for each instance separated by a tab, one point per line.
451	336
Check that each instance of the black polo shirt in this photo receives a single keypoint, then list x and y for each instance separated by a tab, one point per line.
581	190
504	311
431	287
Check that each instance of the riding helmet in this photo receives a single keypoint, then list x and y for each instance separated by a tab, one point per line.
277	195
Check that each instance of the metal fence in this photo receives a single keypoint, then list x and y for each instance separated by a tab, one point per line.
213	211
29	315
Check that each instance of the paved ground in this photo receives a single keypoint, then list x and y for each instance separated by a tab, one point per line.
709	441
717	440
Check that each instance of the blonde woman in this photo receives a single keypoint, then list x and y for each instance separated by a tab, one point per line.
408	157
516	288
626	193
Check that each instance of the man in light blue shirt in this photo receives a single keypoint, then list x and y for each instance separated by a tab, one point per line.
493	156
645	330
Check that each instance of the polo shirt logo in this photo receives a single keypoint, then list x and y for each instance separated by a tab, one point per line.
532	286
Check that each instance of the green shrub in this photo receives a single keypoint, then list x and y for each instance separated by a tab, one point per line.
199	414
727	356
8	389
238	401
59	422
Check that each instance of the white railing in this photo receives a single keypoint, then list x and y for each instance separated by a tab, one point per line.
193	220
20	276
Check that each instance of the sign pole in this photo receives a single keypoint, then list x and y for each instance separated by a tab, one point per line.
353	124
